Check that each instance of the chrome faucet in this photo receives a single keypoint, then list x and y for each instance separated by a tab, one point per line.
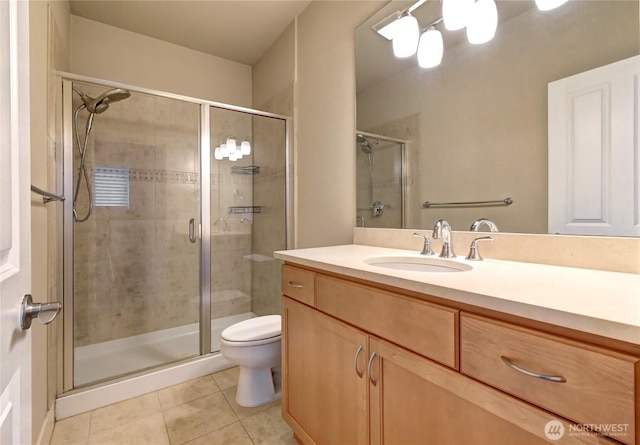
443	229
484	222
426	247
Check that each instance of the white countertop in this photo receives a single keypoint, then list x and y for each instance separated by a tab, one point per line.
599	302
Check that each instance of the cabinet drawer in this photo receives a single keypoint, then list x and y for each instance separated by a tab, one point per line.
298	284
425	328
586	384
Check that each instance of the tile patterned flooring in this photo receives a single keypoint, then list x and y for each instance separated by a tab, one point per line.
198	412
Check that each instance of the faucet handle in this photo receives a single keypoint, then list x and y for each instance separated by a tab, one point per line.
426	248
474	254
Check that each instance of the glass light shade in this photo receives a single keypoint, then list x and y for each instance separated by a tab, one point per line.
405	40
455	13
217	154
239	154
245	146
223	150
483	23
231	144
233	156
430	48
546	5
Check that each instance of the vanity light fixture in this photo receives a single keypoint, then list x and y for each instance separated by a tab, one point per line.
230	149
231	144
245	147
546	5
406	36
483	22
455	13
391	25
480	17
431	47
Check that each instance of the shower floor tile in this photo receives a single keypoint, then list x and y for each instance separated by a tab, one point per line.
198	412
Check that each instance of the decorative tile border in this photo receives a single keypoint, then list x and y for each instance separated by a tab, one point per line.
180	177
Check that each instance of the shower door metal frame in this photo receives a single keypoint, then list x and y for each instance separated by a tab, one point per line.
64	82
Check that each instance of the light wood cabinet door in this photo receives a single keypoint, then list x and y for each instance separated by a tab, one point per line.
324	377
416	401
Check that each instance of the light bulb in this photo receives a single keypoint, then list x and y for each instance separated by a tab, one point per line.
239	154
245	146
430	48
546	5
405	41
217	154
223	150
455	13
231	144
483	22
233	156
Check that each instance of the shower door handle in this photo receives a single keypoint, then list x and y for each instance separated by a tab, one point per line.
192	231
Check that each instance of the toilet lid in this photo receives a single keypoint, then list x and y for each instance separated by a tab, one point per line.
258	328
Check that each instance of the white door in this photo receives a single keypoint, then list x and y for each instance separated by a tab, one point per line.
15	239
594	166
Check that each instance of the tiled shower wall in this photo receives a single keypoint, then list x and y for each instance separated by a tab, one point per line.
135	270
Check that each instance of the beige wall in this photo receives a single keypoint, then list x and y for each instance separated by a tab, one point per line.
273	75
49	49
106	52
325	121
483	112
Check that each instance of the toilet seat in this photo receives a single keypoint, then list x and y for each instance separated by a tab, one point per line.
254	331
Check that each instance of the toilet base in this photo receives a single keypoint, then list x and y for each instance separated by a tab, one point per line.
258	386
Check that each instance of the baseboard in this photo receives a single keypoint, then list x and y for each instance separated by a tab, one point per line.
46	431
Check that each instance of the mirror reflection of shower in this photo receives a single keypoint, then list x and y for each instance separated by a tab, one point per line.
93	106
377	208
379	177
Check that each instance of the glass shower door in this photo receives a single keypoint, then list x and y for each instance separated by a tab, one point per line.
248	216
136	272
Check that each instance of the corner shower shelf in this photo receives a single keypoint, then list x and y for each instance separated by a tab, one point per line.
245	209
245	170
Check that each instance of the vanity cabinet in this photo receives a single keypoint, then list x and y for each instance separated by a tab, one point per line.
325	388
363	365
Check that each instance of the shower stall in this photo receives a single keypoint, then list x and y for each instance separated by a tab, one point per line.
175	206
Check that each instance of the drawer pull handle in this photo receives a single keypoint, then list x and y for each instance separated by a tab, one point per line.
296	285
373	382
355	361
550	378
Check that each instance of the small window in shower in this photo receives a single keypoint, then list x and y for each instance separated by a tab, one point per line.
111	187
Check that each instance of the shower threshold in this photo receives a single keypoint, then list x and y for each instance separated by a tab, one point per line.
114	358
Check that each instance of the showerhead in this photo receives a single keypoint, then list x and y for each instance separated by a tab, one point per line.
364	143
99	105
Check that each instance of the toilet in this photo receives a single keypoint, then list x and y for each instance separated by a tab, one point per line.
254	345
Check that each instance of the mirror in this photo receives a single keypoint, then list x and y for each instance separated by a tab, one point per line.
476	126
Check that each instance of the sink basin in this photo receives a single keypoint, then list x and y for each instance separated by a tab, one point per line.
418	264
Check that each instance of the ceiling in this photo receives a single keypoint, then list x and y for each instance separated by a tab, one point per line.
237	30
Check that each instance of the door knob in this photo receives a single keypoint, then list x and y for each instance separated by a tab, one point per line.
45	312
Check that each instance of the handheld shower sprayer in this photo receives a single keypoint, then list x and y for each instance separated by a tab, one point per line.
100	105
93	106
